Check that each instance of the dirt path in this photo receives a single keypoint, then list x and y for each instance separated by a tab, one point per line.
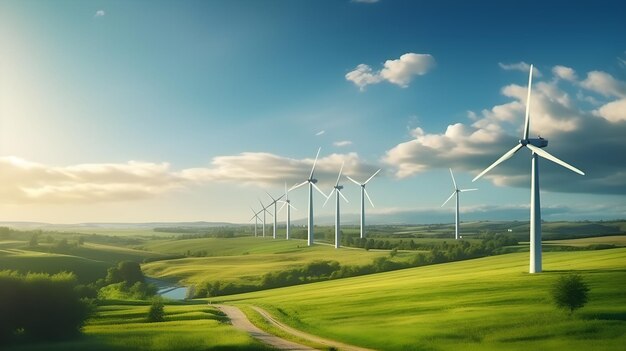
240	321
331	343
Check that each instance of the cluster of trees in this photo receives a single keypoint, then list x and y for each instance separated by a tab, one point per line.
196	233
39	306
125	281
434	252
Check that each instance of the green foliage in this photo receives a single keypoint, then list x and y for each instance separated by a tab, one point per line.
156	312
570	292
128	272
40	306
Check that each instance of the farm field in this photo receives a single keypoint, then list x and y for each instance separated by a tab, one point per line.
483	304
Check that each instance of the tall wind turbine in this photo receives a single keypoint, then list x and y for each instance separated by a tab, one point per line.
311	181
256	220
287	202
456	192
363	194
274	201
337	190
535	146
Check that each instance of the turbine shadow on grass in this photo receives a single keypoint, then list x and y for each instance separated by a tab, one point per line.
608	316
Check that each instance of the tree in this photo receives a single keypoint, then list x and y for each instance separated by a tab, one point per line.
156	312
570	292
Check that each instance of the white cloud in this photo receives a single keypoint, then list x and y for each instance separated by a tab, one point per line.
342	143
399	71
614	111
320	132
604	83
520	66
22	181
362	76
575	134
100	13
258	168
565	73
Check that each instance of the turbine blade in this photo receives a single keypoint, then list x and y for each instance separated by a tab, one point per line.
500	160
298	185
464	190
281	207
353	181
368	197
339	176
328	198
445	202
318	189
370	178
339	192
453	181
279	198
314	162
527	121
271	197
546	155
292	206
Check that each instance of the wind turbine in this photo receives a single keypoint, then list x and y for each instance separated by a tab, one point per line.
289	207
363	194
456	192
274	201
311	181
264	209
256	220
535	146
337	190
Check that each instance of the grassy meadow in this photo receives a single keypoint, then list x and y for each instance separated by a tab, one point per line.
123	326
483	304
245	259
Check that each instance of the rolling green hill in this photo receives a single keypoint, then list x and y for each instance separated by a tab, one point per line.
483	304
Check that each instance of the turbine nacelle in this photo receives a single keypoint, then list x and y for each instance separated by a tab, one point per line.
538	142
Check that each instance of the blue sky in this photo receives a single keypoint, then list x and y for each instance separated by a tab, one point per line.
190	110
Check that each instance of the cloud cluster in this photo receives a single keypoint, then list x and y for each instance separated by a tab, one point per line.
589	139
399	71
22	181
520	66
100	13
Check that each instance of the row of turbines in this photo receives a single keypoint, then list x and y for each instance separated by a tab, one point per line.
311	182
535	145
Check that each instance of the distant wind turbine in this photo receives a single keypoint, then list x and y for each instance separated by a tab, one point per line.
337	190
363	194
311	181
456	192
535	146
287	202
256	219
274	201
264	209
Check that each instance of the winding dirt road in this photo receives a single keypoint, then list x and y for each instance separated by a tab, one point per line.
240	321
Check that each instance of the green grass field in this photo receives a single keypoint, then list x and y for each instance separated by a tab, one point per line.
124	328
245	260
483	304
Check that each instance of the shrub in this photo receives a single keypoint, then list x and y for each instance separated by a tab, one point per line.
156	312
570	292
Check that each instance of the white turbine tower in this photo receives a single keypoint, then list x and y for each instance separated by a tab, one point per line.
264	210
256	220
363	194
274	201
535	146
337	190
456	192
311	181
289	207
